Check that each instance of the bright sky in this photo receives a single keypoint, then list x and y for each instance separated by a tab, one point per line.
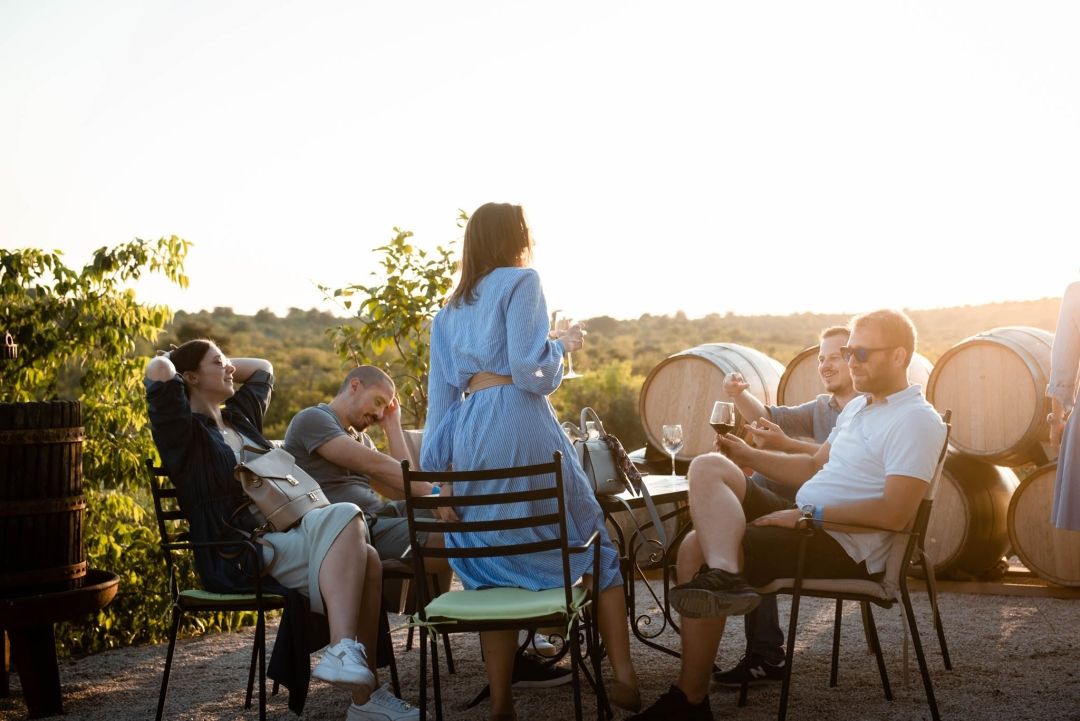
700	156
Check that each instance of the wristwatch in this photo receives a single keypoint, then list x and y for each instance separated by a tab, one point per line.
814	514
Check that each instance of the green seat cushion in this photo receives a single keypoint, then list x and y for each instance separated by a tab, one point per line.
502	604
193	598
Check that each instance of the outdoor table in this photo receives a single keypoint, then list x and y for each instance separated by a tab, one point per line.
663	489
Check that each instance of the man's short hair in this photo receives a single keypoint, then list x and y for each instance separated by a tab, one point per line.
894	325
833	330
368	375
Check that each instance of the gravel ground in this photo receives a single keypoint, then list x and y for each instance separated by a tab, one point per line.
1013	658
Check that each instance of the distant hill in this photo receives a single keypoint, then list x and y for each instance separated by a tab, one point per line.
617	357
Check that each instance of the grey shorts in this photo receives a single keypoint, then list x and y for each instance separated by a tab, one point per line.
294	557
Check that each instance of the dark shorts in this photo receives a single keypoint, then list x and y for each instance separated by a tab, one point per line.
770	552
389	530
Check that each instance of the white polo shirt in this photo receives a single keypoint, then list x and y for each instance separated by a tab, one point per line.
901	436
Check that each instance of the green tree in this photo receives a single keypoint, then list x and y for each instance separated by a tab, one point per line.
395	315
81	332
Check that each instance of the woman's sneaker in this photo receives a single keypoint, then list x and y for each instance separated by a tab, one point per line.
345	665
752	669
538	645
383	706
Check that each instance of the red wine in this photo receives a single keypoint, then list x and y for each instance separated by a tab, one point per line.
722	428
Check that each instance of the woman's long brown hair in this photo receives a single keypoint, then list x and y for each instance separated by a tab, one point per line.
495	237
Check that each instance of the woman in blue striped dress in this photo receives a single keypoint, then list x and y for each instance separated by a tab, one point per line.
493	335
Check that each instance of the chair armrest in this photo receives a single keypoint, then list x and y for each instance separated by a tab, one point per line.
246	547
594	540
860	528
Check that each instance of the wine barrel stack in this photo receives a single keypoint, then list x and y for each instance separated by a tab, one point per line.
995	384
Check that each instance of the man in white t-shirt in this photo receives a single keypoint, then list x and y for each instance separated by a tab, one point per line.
872	471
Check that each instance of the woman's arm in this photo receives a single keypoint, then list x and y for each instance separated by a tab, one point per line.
245	367
160	368
535	360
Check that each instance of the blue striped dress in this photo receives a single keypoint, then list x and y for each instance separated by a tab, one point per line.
505	331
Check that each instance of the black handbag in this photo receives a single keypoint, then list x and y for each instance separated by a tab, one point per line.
608	467
602	456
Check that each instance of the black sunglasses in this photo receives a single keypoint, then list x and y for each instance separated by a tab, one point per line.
861	354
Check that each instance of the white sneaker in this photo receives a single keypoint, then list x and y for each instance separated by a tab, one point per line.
383	706
539	646
345	665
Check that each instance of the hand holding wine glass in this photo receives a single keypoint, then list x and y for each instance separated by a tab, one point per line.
571	335
722	418
672	440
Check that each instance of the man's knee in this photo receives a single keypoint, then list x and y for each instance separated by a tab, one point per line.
711	468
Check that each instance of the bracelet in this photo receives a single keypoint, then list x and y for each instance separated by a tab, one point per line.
819	516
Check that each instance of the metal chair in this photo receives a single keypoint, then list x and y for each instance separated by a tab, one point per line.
517	608
885	592
175	542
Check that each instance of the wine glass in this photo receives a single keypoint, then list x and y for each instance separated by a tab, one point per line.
672	441
722	418
561	321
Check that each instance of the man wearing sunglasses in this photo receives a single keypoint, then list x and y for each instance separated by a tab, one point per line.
873	470
788	429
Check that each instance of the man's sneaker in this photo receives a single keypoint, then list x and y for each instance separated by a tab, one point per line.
383	706
539	645
712	593
530	673
674	705
752	669
345	665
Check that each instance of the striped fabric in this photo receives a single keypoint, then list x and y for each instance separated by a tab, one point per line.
505	332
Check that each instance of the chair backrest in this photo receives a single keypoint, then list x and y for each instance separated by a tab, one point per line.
904	545
172	524
469	492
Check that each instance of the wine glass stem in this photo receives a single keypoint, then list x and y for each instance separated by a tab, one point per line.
569	364
673	464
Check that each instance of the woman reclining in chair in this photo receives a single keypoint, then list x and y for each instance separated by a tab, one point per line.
200	422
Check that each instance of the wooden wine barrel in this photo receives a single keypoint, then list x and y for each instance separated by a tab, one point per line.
995	383
41	500
968	534
1051	553
683	387
801	383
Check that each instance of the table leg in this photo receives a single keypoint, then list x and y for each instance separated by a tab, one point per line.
33	649
629	549
5	659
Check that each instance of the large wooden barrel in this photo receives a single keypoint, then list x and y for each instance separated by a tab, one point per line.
995	384
41	500
801	383
1053	554
683	387
968	530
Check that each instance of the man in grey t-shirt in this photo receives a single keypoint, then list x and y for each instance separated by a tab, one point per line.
785	428
329	442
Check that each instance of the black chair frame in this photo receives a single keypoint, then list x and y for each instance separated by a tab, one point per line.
177	540
560	543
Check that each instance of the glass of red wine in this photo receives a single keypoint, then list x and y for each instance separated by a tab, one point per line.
722	418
